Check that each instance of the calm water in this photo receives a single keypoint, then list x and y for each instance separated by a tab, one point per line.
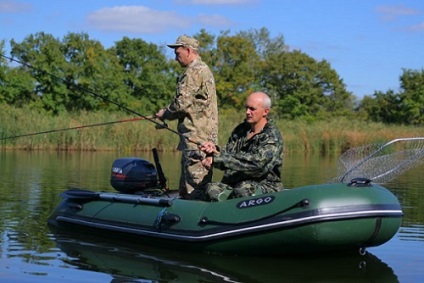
32	181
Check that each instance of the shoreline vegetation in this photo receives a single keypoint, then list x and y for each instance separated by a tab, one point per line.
60	132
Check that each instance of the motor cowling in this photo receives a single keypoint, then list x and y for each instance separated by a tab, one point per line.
132	174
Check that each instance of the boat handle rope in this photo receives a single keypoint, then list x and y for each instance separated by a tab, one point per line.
205	221
158	220
377	228
165	217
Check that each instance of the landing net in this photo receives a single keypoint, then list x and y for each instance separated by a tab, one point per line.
380	163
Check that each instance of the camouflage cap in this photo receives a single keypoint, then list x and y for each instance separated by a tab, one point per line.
185	40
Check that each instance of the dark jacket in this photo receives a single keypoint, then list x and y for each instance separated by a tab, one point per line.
258	159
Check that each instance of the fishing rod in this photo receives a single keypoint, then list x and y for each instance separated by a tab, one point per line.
158	125
74	128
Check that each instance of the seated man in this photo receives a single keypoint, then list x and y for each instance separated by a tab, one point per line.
252	158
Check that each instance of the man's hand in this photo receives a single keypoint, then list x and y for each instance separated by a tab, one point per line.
208	148
207	162
160	114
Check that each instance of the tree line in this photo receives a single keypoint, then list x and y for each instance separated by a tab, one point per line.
77	73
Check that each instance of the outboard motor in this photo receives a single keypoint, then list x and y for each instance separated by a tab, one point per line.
132	174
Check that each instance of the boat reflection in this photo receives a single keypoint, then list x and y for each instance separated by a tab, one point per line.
126	263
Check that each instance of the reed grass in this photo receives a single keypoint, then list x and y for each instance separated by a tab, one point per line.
325	137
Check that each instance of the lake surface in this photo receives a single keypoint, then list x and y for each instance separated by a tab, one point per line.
30	252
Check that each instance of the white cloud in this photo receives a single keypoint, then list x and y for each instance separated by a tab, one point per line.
419	27
391	13
214	20
14	7
136	19
216	2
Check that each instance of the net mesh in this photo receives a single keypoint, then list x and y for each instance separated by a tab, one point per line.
380	163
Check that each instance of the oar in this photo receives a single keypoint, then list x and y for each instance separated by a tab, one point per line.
74	128
381	163
159	125
85	195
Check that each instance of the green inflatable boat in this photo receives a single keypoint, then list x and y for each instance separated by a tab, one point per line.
319	218
350	213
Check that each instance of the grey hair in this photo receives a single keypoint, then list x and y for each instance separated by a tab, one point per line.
267	101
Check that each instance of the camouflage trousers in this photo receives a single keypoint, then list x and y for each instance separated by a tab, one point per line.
194	176
221	191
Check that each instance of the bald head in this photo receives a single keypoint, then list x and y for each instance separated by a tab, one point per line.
261	98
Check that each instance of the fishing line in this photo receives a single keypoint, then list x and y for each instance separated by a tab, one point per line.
73	128
159	125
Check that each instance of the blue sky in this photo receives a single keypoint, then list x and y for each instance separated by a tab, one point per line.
367	42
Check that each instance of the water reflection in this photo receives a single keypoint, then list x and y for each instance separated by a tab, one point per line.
149	264
411	233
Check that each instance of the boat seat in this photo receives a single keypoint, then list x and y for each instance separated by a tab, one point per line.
224	195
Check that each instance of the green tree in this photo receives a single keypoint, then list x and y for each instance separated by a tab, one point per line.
405	107
16	85
148	76
235	62
265	46
207	42
71	75
305	88
17	88
412	96
41	56
94	75
252	60
382	107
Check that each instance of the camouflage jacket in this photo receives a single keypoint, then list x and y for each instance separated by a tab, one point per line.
259	159
195	106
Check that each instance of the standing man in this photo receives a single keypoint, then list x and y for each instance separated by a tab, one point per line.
252	158
195	107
